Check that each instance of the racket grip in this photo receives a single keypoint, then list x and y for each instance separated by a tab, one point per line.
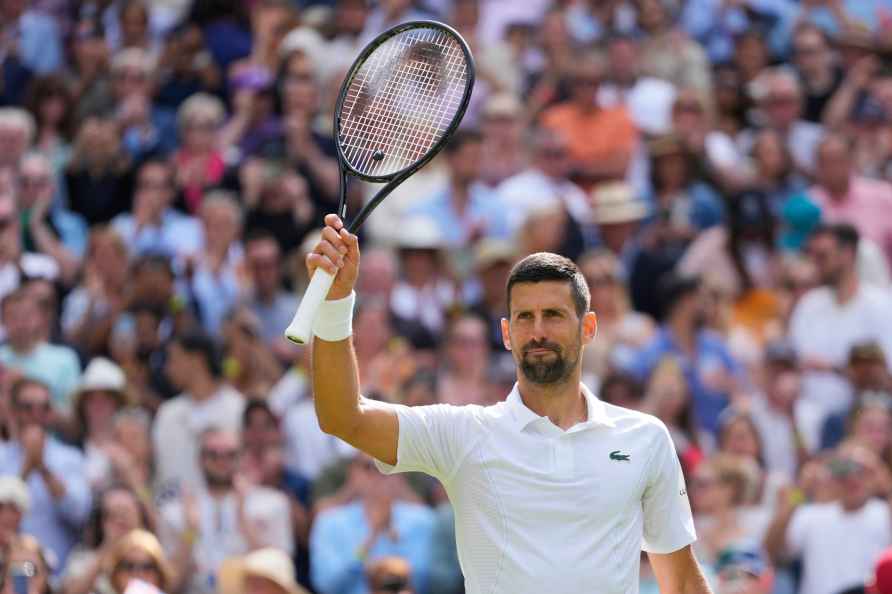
300	330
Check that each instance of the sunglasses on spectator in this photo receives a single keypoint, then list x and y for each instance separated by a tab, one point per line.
842	468
33	406
220	454
136	566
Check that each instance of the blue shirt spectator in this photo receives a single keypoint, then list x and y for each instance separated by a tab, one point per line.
54	472
482	214
715	24
342	539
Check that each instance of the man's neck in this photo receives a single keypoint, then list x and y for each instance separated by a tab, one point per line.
203	388
684	333
847	288
24	347
564	403
219	492
839	192
461	194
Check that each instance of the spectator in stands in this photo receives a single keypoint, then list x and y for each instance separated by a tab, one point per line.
224	518
117	512
712	374
837	541
667	397
466	210
618	212
345	538
35	36
845	196
820	73
194	366
266	571
601	141
27	350
281	204
60	496
139	556
249	365
15	501
215	271
465	369
668	53
51	102
154	226
745	571
502	129
199	162
17	131
828	320
269	300
47	228
30	553
16	265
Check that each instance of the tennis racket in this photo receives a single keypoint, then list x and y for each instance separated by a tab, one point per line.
402	99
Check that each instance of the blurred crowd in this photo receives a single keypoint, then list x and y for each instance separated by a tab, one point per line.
719	169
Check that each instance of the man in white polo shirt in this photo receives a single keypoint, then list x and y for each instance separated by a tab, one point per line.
554	491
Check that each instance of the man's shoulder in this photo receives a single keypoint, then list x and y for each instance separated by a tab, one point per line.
814	300
60	352
64	452
628	419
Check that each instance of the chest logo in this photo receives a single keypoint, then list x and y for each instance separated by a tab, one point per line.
616	455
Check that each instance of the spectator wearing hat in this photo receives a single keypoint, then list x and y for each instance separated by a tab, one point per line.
423	293
774	409
139	556
828	320
154	226
54	472
265	571
839	541
465	210
618	212
15	501
868	375
493	260
102	392
26	350
206	400
712	373
845	196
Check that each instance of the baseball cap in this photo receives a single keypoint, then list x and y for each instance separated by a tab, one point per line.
881	581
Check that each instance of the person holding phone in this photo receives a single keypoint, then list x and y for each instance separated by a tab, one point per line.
27	570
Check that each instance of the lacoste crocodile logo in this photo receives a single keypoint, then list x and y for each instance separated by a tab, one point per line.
616	455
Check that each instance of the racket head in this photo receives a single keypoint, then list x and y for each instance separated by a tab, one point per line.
402	98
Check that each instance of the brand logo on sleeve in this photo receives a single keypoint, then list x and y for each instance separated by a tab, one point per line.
619	457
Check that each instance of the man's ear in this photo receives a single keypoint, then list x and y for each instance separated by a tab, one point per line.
589	327
506	334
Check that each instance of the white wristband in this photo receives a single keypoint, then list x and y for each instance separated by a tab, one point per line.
334	321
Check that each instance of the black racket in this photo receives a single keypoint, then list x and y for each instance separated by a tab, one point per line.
402	99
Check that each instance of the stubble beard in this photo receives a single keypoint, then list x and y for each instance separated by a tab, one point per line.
554	370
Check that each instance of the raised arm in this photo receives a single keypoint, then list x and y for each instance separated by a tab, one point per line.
366	425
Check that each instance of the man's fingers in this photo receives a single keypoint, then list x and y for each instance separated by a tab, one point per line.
332	237
315	260
333	220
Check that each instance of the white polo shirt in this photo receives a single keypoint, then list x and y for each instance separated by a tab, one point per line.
539	509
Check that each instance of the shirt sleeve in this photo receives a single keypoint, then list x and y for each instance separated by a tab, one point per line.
797	531
75	505
432	439
668	523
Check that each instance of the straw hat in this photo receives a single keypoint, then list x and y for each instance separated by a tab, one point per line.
272	564
616	202
14	490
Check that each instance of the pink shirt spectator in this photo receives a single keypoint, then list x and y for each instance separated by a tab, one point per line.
867	205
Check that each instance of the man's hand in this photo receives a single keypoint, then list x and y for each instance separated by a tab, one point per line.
337	253
32	438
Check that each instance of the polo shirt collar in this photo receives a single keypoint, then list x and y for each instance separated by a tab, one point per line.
521	416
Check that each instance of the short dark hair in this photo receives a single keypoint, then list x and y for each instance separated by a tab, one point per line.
673	287
545	266
197	342
21	384
460	139
845	234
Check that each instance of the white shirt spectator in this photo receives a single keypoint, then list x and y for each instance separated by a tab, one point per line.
649	102
219	537
802	142
838	549
822	328
539	509
179	425
532	189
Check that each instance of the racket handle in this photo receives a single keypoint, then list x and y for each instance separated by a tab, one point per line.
300	330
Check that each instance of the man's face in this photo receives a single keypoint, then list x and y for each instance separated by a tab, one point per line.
32	407
264	264
828	258
23	320
811	53
465	162
782	105
219	458
834	165
544	333
624	60
36	181
153	188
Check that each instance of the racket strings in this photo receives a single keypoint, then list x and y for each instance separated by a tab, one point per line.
402	100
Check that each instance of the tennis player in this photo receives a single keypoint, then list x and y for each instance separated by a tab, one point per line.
554	491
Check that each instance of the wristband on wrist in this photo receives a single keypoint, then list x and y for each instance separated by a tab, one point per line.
334	321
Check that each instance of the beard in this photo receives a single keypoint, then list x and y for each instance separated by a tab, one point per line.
218	481
548	369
